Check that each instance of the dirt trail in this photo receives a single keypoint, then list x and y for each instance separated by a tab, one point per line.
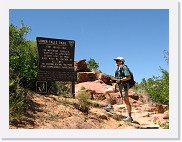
55	112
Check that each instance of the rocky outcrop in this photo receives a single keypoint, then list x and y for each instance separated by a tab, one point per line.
80	66
105	78
134	96
86	76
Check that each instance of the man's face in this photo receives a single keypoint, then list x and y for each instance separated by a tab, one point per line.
118	62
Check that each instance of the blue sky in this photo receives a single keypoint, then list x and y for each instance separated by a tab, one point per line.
140	36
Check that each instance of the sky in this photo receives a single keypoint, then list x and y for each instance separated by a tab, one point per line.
140	36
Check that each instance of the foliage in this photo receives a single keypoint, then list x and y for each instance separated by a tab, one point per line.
22	70
17	103
59	88
22	58
164	125
83	98
92	65
157	87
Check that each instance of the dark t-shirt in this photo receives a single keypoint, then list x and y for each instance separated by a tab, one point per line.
122	72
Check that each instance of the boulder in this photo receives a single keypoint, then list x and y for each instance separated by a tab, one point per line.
116	98
166	115
134	96
160	108
86	76
92	93
80	66
105	78
99	96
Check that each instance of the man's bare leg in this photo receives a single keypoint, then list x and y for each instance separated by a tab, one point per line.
128	106
109	99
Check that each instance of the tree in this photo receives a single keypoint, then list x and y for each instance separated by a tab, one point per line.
158	86
92	65
22	57
22	70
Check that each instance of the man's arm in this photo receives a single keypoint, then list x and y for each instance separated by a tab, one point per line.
126	78
123	79
127	75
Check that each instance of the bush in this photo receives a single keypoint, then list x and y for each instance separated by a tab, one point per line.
17	103
22	58
158	88
92	65
83	98
22	71
59	88
164	125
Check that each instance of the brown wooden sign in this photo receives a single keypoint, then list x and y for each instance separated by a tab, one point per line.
55	54
55	59
56	76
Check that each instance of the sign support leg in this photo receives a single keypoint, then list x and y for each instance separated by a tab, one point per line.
73	88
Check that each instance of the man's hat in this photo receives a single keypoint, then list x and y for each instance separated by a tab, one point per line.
119	58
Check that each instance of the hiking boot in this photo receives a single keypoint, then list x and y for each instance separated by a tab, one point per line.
128	119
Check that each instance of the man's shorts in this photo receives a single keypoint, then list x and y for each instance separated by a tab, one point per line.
122	88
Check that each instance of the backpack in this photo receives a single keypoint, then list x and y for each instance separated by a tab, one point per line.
131	81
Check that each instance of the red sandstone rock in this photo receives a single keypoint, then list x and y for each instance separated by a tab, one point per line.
166	115
105	78
160	108
80	66
86	76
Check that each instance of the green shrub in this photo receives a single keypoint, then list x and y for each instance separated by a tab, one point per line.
92	65
17	105
59	88
83	98
22	57
164	125
158	88
22	70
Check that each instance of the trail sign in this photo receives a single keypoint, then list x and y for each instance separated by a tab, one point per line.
55	54
56	60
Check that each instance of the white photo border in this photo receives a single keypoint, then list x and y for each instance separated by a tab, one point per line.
171	133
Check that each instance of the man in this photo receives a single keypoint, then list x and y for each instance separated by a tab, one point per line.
122	74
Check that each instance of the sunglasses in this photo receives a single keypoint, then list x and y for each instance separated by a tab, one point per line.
118	60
